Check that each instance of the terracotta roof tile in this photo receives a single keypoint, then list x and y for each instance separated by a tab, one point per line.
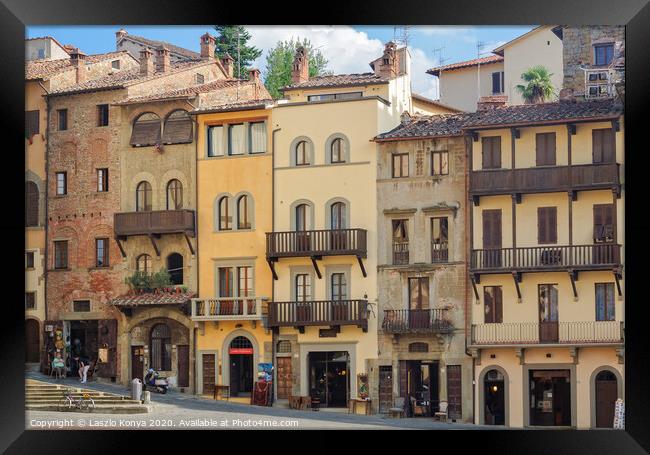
466	64
339	80
151	298
421	126
44	69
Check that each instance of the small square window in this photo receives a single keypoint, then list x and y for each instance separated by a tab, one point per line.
63	119
29	259
115	64
61	183
439	163
41	53
102	115
101	252
102	180
30	300
400	165
81	305
200	79
60	254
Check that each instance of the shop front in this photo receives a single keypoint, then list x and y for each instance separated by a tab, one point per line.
419	385
329	378
550	397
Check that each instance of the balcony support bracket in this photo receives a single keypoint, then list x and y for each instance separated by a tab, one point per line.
363	268
620	353
315	264
476	278
517	198
616	190
474	135
155	246
573	276
271	262
476	355
120	246
189	244
572	129
516	132
476	199
516	276
520	353
573	194
301	328
573	353
618	276
616	125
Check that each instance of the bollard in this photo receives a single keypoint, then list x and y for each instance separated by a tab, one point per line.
136	389
146	397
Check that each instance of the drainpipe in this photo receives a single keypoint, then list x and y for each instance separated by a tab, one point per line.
47	161
468	243
272	281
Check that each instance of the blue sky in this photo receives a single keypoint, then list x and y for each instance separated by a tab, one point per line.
349	49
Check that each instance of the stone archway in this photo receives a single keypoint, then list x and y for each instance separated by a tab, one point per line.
225	371
598	387
503	395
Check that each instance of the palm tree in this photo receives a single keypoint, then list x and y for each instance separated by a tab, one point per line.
539	87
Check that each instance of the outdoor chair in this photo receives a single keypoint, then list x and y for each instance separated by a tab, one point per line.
418	410
441	415
397	410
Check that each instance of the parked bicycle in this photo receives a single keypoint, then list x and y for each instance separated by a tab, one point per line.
82	402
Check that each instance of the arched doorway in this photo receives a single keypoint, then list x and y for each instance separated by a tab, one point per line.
606	394
32	343
494	411
240	353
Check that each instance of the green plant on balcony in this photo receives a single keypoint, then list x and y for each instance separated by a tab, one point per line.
141	281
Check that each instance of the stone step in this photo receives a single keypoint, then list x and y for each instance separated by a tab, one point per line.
95	399
98	408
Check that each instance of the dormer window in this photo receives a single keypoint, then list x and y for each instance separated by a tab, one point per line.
115	64
200	79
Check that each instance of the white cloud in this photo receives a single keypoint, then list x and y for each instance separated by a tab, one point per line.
421	82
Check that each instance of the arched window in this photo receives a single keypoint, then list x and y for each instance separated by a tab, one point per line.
241	343
143	263
244	213
161	348
31	204
175	268
178	128
143	197
302	212
337	151
146	130
225	215
302	154
174	195
337	216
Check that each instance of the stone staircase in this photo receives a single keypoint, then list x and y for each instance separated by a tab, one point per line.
43	396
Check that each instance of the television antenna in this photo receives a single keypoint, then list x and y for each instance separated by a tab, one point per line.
439	51
480	46
401	34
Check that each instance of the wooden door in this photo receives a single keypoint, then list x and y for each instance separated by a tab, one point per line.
137	362
32	343
284	377
606	395
208	373
492	238
107	339
385	388
604	234
548	313
454	391
419	303
183	365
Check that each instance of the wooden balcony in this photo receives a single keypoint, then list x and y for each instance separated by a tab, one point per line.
545	179
325	242
319	313
228	309
532	333
155	223
417	321
599	256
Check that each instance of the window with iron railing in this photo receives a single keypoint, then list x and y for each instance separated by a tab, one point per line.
439	239
400	242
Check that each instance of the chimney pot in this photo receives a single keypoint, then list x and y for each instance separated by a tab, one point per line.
77	59
389	63
162	60
300	68
146	62
490	102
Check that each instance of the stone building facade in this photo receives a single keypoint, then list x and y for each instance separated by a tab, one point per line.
422	280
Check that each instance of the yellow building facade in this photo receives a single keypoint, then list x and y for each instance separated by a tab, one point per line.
546	264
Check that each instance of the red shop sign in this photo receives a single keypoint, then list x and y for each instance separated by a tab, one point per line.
240	351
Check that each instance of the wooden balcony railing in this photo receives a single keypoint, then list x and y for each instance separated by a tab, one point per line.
154	222
400	253
227	309
597	256
573	332
319	312
325	242
415	321
544	179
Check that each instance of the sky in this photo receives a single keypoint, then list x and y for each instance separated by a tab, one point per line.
348	49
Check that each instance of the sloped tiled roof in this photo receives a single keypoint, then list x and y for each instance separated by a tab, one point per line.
559	111
466	64
421	126
339	80
172	47
424	99
44	69
151	298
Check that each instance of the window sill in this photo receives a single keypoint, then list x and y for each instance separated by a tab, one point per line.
60	270
59	196
243	155
100	267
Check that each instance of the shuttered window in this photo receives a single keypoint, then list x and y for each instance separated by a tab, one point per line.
257	136
215	141
236	139
146	130
545	149
604	222
62	119
178	128
493	300
605	302
492	229
546	225
32	126
31	204
604	147
491	152
400	165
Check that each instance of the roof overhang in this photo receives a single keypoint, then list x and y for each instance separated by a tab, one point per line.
541	123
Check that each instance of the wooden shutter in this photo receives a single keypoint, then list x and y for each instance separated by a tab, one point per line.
603	220
547	225
491	152
496	83
145	132
498	304
545	149
491	229
31	204
403	375
603	145
107	339
32	126
178	130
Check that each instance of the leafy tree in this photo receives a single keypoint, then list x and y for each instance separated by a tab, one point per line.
279	61
539	87
227	43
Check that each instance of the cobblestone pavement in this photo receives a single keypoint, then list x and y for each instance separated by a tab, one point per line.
183	411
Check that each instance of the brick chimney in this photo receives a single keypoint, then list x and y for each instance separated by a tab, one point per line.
300	68
162	60
490	102
78	61
254	78
208	45
228	64
388	67
146	62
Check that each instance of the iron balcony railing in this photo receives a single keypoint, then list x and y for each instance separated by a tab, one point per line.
400	252
595	256
324	242
439	252
563	332
228	308
413	321
544	179
154	222
319	312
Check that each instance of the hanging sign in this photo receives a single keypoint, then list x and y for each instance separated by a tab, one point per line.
240	351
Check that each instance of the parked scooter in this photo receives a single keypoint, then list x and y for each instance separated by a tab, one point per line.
155	382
